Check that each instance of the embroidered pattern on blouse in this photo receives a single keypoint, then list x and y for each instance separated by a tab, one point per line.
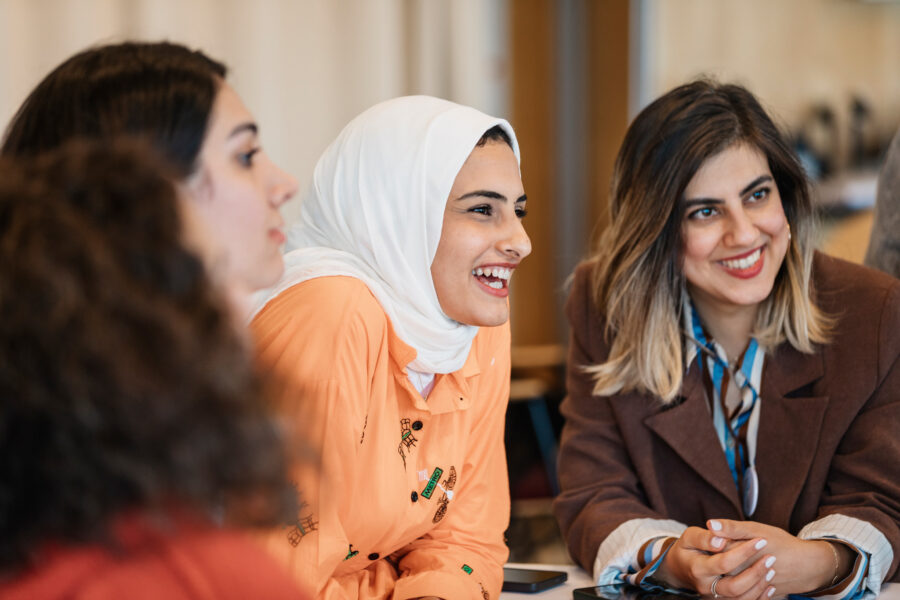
432	482
365	424
351	552
407	440
444	503
303	527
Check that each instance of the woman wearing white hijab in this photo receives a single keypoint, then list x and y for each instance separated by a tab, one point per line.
391	324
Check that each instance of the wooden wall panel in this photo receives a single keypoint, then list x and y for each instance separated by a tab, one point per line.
532	98
594	36
608	75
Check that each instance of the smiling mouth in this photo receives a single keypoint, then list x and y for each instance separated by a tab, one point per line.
746	266
744	263
493	277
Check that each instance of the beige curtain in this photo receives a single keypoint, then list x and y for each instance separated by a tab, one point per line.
304	67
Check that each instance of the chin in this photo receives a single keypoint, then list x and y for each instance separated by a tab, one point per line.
750	299
478	312
488	320
272	273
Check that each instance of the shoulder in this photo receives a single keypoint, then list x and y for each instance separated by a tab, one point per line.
580	303
586	319
865	305
324	307
234	564
190	564
839	285
321	327
491	356
492	340
327	299
581	282
206	563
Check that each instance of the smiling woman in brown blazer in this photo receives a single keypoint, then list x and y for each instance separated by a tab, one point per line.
734	396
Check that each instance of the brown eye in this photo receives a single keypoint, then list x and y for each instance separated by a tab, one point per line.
246	158
703	213
760	194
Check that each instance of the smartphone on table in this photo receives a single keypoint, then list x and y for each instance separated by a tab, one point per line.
531	580
591	593
619	592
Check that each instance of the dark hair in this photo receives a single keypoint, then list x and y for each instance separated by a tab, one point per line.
495	134
637	278
124	381
161	91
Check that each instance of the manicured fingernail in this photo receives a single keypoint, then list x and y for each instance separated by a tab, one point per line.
715	526
760	544
770	574
716	542
770	592
770	561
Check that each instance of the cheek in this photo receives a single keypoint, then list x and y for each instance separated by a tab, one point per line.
455	250
451	268
775	223
240	212
699	243
447	268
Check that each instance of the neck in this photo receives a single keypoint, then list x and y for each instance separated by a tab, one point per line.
731	327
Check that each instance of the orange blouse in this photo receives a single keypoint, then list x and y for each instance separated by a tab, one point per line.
413	497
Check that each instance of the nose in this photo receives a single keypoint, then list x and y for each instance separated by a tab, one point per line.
282	186
516	243
742	231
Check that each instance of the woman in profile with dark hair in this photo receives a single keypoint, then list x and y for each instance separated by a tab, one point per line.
176	99
733	395
130	414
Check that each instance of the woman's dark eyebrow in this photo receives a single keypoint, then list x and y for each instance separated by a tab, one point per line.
251	127
491	195
756	182
688	203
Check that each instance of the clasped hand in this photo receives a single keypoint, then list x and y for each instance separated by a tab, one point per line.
736	559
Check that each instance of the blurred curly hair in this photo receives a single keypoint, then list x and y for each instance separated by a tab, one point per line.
124	381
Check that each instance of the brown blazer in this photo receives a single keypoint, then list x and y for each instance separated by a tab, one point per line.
829	436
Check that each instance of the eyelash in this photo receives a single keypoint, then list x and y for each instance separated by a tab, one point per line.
488	210
753	197
764	191
697	214
246	158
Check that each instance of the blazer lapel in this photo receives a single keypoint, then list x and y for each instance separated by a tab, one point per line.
789	429
687	428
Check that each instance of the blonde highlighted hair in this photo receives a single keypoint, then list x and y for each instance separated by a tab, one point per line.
637	280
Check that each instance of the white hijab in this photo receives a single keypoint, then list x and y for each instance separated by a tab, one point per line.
375	209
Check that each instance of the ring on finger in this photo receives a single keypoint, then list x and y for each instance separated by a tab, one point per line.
712	586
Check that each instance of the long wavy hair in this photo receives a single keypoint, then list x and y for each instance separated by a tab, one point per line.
124	380
159	91
637	273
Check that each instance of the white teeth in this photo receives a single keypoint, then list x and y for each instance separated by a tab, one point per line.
743	263
496	272
497	285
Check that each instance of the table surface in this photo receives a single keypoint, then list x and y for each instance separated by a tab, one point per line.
578	579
